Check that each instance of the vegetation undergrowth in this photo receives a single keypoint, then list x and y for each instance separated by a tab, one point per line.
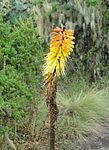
82	111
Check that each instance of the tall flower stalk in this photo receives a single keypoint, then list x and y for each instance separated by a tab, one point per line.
61	47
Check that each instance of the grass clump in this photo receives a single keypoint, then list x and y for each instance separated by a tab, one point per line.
82	113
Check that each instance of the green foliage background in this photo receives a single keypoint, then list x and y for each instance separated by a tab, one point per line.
21	56
25	27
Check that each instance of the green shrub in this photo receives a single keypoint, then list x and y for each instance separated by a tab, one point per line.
21	55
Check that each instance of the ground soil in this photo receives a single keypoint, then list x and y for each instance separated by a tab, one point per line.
98	140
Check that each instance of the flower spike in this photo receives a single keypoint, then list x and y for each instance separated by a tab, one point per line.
61	47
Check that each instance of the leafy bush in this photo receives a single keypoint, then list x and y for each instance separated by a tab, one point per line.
21	55
13	9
